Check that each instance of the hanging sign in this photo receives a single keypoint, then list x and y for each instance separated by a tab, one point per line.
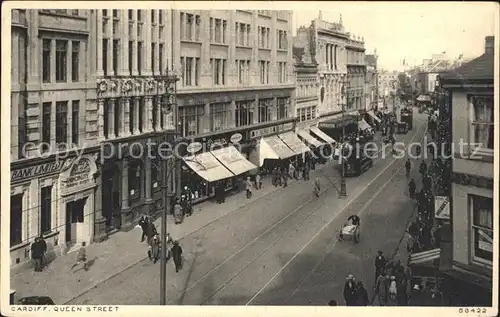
442	207
194	147
236	138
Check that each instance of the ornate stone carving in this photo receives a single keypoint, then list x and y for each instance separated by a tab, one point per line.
150	84
312	42
102	85
126	85
113	85
138	85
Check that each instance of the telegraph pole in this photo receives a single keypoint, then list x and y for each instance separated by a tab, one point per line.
169	105
343	189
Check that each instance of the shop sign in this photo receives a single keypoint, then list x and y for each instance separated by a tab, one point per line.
236	138
194	147
37	170
80	175
271	130
442	207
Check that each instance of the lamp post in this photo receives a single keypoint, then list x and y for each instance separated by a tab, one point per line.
167	169
345	94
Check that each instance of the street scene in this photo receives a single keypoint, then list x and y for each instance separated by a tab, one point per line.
250	158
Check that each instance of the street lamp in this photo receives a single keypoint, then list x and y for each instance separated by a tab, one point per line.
345	94
170	84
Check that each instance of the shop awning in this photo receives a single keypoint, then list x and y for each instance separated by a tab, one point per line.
374	116
309	138
425	257
322	135
273	148
294	143
233	160
363	125
208	167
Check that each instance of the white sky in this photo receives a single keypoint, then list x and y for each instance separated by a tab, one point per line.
410	30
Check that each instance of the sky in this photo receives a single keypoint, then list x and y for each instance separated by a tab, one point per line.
410	31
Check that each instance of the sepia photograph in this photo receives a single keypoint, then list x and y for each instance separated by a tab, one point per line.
291	155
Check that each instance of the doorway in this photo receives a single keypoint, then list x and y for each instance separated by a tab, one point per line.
74	216
111	203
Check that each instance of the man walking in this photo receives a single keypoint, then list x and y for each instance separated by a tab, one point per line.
248	188
380	262
350	291
317	187
81	258
144	222
177	255
43	246
36	254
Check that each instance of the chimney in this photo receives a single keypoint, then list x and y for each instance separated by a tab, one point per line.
489	43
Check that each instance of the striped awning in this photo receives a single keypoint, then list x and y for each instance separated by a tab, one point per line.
309	138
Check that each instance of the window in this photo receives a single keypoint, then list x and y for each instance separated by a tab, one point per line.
74	12
131	113
308	114
61	60
244	113
139	57
153	51
46	61
189	26
75	61
160	60
483	121
139	15
218	71
262	69
282	42
160	16
156	101
224	31
153	15
115	13
75	118
242	34
302	114
189	71
262	37
182	27
190	117
130	56
219	116
116	50
482	227
267	72
130	15
282	108
142	107
313	111
155	171
197	28
46	209
16	219
218	33
134	180
265	108
248	35
183	69
241	71
61	122
197	71
46	114
268	31
282	76
105	56
211	28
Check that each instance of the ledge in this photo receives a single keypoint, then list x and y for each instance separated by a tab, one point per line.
219	44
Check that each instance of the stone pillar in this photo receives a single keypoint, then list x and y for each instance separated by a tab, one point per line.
136	109
206	122
125	117
256	110
126	211
99	221
134	43
148	125
109	31
147	44
157	126
123	54
100	120
144	111
100	70
232	114
111	119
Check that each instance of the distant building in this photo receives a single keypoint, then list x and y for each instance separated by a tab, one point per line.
371	82
469	91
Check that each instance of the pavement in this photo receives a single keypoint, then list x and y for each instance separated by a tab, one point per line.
280	247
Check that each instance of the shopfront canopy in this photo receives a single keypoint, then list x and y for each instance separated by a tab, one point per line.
273	148
374	116
322	135
363	125
207	167
309	138
294	143
233	160
424	98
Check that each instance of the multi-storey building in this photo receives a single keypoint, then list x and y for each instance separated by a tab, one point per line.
82	91
306	92
371	100
468	102
236	70
356	72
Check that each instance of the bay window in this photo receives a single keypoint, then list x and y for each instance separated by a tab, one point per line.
482	228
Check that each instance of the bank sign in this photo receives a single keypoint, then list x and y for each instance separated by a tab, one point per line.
36	171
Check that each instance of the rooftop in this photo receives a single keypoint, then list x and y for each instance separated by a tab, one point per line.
370	59
480	68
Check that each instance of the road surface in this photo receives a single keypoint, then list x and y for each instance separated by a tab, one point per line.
282	250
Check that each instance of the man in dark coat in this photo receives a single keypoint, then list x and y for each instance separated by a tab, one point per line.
362	299
380	262
37	253
144	223
177	255
350	291
284	174
43	245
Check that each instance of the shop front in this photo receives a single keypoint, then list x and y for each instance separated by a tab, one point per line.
333	127
76	204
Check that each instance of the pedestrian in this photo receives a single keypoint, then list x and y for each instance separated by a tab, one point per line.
408	167
362	295
317	187
36	254
381	288
154	249
380	263
248	188
276	176
178	214
81	258
43	246
258	181
177	255
332	303
291	171
392	292
350	291
423	167
412	188
284	174
143	223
